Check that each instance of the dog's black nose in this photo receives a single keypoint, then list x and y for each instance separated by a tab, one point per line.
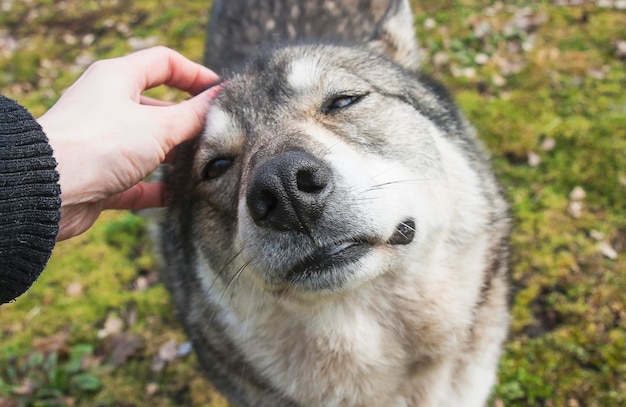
289	191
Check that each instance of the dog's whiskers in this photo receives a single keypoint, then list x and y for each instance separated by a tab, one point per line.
236	278
400	182
230	282
224	268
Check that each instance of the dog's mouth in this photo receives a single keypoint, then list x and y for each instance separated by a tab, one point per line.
326	266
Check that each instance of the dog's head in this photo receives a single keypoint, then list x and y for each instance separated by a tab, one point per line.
320	166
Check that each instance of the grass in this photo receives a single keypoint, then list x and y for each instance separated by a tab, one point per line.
548	100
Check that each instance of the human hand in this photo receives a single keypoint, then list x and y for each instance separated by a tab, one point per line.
107	137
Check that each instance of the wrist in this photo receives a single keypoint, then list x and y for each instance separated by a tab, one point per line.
72	167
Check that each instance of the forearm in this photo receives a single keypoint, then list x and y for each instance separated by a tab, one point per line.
29	200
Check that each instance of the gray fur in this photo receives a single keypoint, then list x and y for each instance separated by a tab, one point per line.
346	287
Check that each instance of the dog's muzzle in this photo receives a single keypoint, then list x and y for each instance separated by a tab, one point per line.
289	192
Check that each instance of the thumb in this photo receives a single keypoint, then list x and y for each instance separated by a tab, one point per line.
184	120
140	196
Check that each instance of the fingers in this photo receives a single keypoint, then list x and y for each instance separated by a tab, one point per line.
148	101
211	93
141	196
185	120
163	66
134	73
182	121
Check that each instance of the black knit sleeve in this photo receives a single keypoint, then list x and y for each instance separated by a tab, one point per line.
29	200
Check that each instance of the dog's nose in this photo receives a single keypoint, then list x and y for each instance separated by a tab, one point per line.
289	191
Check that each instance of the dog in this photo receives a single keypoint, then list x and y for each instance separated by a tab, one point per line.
335	236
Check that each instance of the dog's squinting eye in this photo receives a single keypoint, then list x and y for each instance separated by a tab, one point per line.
217	167
341	102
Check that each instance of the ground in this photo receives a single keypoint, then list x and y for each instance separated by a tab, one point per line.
542	81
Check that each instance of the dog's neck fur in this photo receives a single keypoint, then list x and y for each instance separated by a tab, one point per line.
355	348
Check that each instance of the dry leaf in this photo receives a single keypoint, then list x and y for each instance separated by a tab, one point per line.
122	347
575	209
620	49
167	353
534	159
112	326
573	403
548	144
498	80
26	388
596	235
7	402
75	289
151	389
578	194
607	250
145	281
140	43
53	343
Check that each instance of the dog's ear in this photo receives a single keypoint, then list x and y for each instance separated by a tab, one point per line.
395	36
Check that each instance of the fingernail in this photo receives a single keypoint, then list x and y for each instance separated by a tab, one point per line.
215	90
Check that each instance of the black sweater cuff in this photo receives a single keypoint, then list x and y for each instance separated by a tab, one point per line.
29	200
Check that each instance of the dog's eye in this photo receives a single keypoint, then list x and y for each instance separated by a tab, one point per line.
341	102
217	167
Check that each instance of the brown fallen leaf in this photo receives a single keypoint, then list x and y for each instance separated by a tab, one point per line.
534	159
121	347
167	353
577	194
607	250
74	289
7	402
548	144
573	403
112	326
151	389
53	343
145	281
596	235
620	49
575	209
26	388
131	315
